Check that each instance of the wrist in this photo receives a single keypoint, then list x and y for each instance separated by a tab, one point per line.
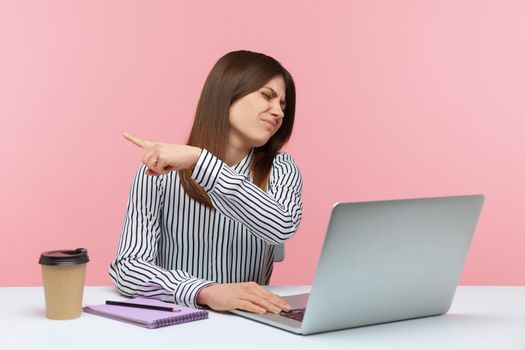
202	296
197	153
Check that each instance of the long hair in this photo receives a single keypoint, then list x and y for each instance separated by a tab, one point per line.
234	76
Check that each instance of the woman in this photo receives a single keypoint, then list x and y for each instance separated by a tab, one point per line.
203	218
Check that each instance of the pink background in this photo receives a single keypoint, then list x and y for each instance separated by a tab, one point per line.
395	99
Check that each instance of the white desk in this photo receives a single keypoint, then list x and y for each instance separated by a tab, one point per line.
480	318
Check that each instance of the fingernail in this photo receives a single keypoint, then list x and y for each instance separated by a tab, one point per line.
287	307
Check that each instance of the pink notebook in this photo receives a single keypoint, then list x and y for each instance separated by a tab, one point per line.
147	318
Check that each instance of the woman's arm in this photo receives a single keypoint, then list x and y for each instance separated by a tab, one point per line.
273	216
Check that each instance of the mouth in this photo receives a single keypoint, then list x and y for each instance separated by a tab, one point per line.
272	124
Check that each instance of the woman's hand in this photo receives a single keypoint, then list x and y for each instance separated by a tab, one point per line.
247	296
162	158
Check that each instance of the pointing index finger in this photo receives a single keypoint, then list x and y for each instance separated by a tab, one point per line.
139	142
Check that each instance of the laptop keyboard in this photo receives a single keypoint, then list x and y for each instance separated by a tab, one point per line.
295	314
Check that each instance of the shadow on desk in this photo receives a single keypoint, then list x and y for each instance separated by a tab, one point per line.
451	329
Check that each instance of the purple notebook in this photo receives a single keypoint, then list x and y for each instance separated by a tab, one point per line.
147	318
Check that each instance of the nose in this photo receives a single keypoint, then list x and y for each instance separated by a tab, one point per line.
277	111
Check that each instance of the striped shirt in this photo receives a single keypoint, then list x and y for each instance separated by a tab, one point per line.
172	246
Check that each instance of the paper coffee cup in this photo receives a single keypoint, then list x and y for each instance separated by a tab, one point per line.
64	273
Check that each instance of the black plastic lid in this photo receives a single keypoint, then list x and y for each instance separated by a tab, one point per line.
64	257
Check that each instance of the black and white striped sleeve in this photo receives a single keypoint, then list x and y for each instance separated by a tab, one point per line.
273	216
133	271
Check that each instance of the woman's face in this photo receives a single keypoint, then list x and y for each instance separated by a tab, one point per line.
255	117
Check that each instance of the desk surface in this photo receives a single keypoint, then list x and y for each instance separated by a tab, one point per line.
480	318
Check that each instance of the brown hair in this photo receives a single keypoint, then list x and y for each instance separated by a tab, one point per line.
234	76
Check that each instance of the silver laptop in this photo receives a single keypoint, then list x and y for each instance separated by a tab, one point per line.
384	261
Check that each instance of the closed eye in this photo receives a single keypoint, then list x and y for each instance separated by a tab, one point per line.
269	97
